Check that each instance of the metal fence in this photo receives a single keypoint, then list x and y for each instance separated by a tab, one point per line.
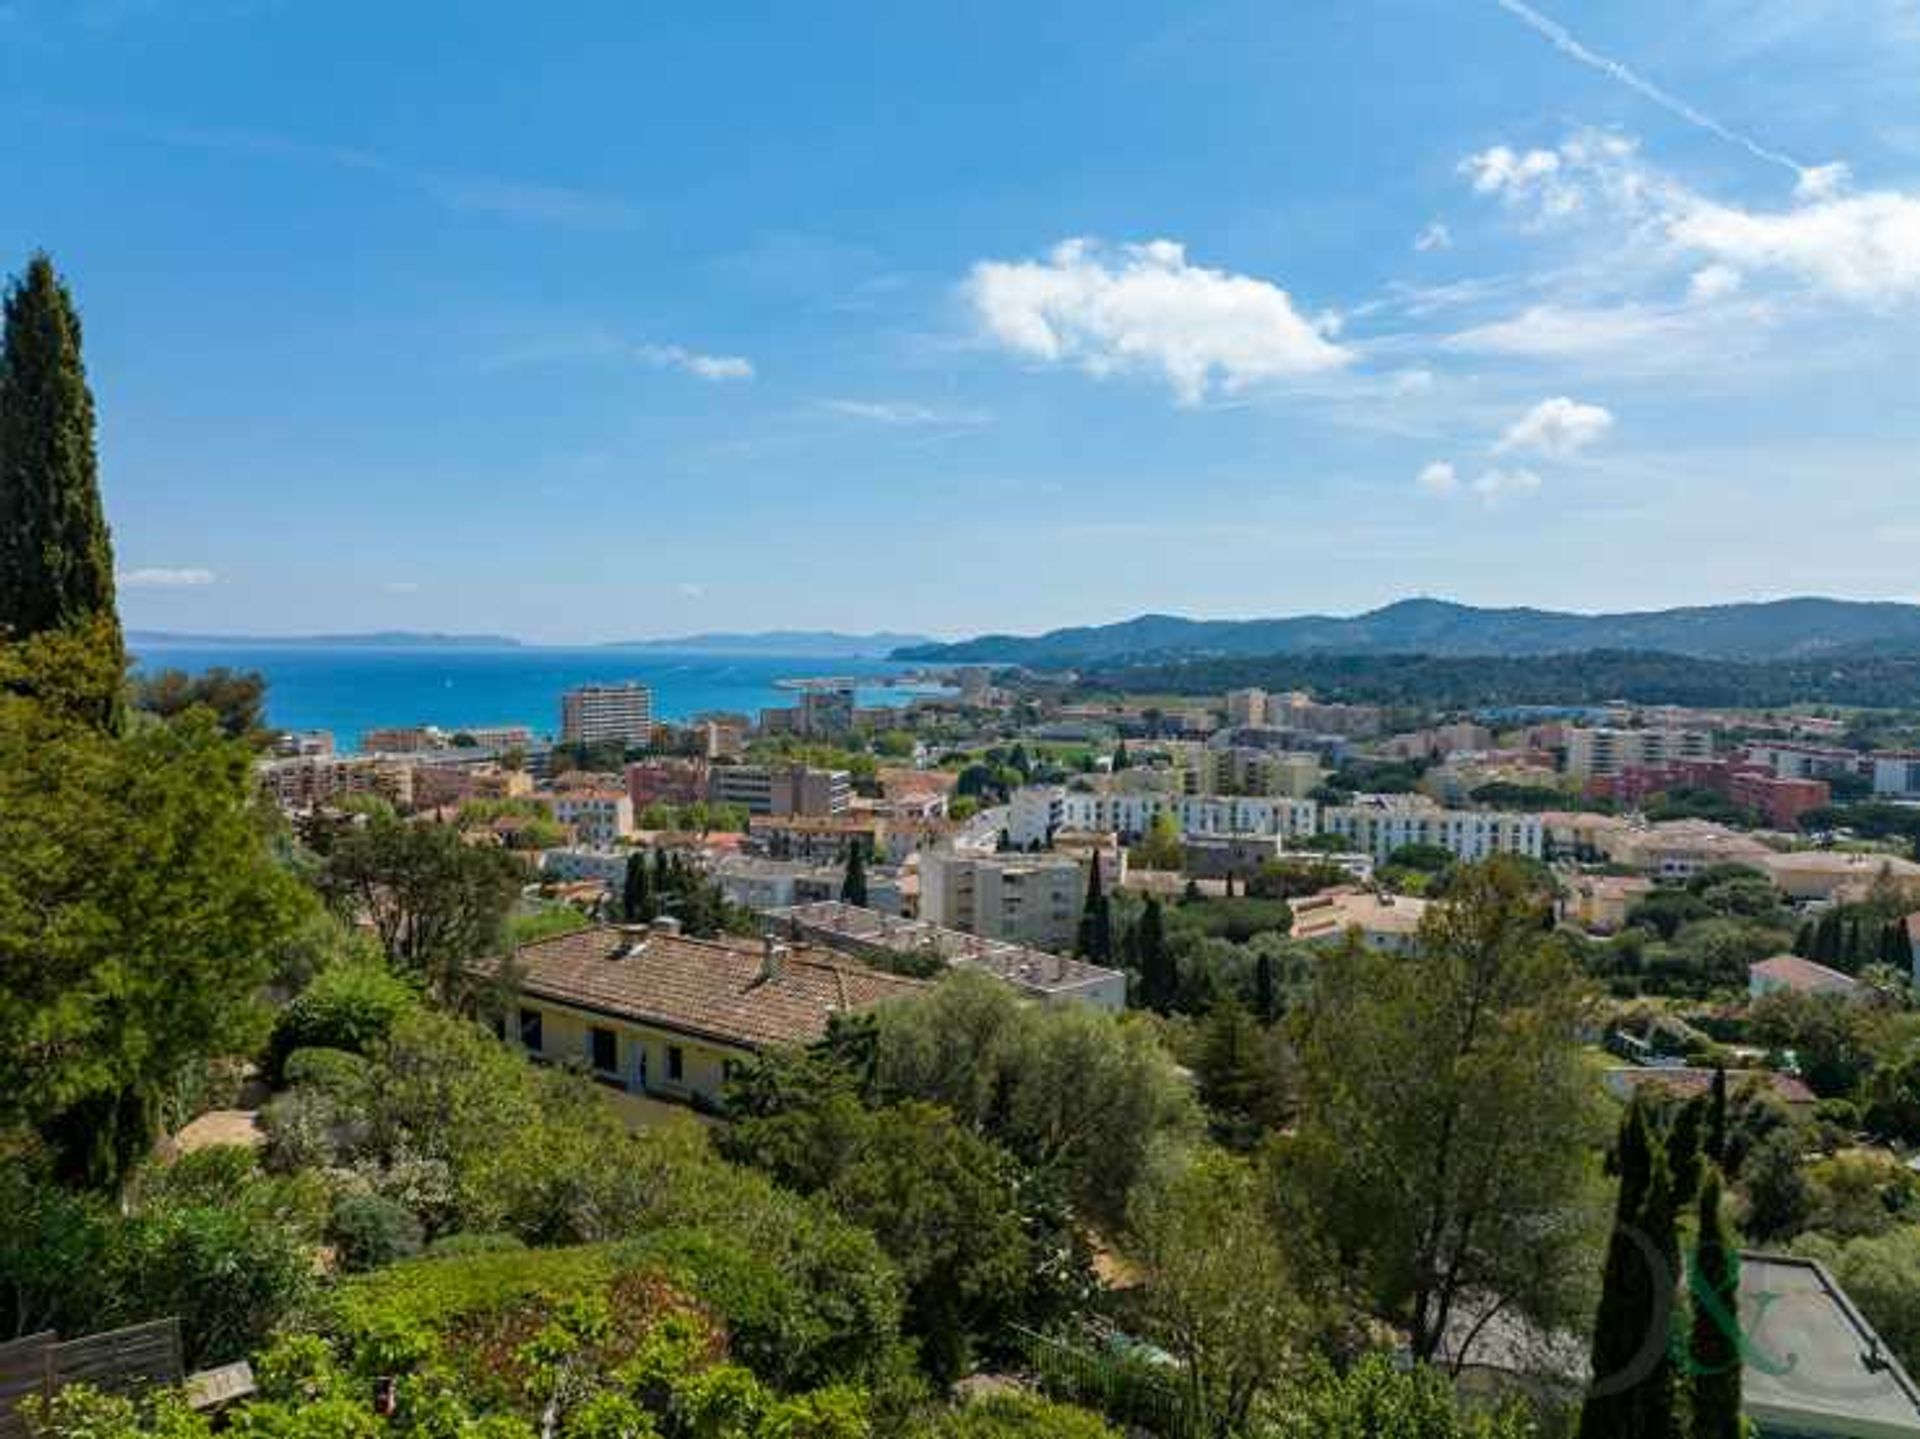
1132	1391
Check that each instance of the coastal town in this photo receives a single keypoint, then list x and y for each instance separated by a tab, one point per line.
1125	721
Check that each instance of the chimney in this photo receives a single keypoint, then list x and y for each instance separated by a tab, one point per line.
772	956
665	924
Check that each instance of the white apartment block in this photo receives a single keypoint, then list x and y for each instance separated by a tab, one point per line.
1132	815
1603	750
599	817
591	713
1795	759
1241	769
1030	900
1246	707
1380	824
1896	773
1035	814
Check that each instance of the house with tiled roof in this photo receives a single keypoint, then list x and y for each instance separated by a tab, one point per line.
656	1012
1802	976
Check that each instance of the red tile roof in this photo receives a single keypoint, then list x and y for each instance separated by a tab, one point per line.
710	989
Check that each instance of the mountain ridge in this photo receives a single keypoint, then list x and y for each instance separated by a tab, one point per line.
1797	627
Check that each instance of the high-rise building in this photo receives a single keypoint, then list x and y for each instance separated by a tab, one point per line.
1603	750
1247	707
623	712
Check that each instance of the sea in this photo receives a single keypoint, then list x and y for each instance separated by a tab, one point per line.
347	690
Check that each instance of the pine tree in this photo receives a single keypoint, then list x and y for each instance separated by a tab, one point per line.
1159	980
853	887
1715	1142
56	558
1715	1353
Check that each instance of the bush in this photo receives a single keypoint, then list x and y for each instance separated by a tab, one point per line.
459	1246
350	1006
370	1230
331	1071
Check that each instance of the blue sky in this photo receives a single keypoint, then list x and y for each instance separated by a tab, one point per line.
595	319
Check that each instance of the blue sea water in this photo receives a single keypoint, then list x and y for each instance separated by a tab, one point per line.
351	689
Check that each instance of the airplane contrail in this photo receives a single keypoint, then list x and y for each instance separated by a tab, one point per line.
1563	40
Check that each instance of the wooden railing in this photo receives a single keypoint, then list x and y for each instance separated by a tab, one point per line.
120	1361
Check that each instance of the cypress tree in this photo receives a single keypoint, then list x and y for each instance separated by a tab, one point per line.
1158	978
1654	1400
1683	1149
853	887
636	893
1715	1142
1094	939
1619	1325
1716	1361
56	558
1803	939
1265	1003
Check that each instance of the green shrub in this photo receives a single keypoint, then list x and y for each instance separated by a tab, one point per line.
331	1071
370	1230
460	1246
350	1006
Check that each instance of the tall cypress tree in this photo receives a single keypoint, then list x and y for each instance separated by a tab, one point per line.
636	893
1619	1326
56	559
1655	1398
1684	1147
1715	1351
1266	1003
1158	979
1715	1143
1094	939
853	886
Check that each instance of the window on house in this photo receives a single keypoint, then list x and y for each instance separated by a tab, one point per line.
606	1051
530	1029
676	1062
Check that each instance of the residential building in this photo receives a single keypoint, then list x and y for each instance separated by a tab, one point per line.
822	710
761	884
400	739
1131	815
655	1012
435	785
794	789
1835	875
1251	770
1386	922
1380	824
1676	849
1035	814
1220	856
307	782
1247	707
1048	978
572	864
1604	749
1600	903
291	744
1033	900
666	780
1794	759
1684	1082
1792	973
1896	774
598	817
590	714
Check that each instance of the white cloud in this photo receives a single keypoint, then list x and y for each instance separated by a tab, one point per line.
1438	478
1556	429
1436	236
1408	383
1144	307
165	579
1495	485
706	367
1859	247
903	412
1712	282
1561	332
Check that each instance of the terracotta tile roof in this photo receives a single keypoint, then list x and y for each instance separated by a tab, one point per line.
1685	1083
1804	975
707	988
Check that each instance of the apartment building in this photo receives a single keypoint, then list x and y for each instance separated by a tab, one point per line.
1132	815
1250	770
763	885
821	711
598	817
593	713
1795	759
1033	900
671	781
1604	749
1896	773
780	789
884	939
435	785
1380	824
306	782
1247	707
